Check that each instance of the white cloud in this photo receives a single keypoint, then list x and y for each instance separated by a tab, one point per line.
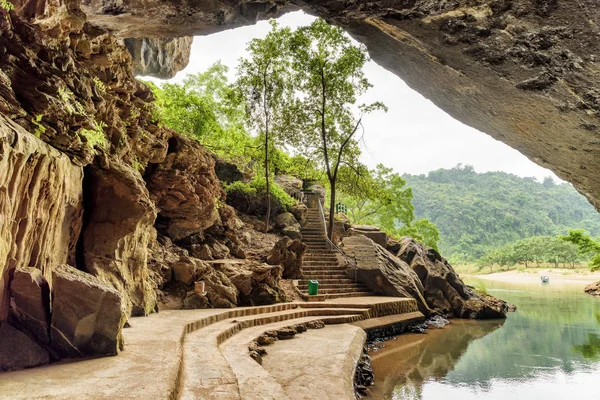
413	137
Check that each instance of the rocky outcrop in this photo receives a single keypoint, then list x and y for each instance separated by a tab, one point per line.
159	57
444	291
383	273
289	254
420	273
372	232
289	226
40	206
87	315
256	284
593	289
185	189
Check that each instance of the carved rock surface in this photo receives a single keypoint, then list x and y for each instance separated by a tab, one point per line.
40	206
87	315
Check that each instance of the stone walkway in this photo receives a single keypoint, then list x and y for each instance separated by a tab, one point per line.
194	354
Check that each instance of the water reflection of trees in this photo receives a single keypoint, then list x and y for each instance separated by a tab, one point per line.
590	349
426	357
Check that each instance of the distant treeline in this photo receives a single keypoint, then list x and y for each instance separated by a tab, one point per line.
477	214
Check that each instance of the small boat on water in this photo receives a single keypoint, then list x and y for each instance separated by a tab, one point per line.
545	279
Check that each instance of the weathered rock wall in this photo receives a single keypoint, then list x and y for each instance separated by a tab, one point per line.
40	206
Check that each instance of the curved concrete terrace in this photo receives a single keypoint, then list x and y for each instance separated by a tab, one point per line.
203	354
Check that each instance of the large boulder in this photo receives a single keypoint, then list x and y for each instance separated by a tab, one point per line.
87	315
286	219
372	232
384	273
289	183
30	306
257	284
18	351
444	291
593	289
300	211
289	254
293	232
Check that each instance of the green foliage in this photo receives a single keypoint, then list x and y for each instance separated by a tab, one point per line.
99	85
586	245
380	197
95	137
532	250
39	128
476	213
329	78
68	101
7	5
255	190
207	108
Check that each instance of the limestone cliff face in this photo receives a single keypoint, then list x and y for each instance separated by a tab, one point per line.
40	206
523	71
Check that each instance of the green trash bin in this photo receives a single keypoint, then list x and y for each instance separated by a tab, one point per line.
313	288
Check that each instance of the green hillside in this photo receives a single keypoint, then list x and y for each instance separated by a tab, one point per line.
476	212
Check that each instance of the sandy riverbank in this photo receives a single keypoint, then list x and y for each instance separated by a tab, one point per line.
556	275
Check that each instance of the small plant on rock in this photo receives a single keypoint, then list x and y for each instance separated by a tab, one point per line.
95	137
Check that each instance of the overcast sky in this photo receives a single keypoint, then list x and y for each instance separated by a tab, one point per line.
413	137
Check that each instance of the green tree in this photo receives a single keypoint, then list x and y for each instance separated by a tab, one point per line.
329	75
265	83
380	197
586	245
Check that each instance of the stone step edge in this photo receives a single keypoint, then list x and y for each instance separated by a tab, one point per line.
302	313
389	320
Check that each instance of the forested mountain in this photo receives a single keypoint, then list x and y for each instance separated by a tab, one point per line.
476	212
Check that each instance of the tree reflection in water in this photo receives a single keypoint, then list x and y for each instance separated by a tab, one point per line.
552	341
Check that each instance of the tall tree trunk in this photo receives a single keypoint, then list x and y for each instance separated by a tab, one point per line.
331	209
268	187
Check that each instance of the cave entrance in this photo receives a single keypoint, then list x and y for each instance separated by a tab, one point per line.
415	136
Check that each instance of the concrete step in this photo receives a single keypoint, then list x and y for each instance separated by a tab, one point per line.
325	291
310	263
318	276
331	268
335	286
325	281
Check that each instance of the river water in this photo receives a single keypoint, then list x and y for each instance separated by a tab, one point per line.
549	349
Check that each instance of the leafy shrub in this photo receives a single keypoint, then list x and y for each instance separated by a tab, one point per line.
250	198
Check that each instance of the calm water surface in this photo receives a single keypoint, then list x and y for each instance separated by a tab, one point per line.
548	349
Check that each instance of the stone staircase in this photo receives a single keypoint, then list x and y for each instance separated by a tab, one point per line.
204	354
322	264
